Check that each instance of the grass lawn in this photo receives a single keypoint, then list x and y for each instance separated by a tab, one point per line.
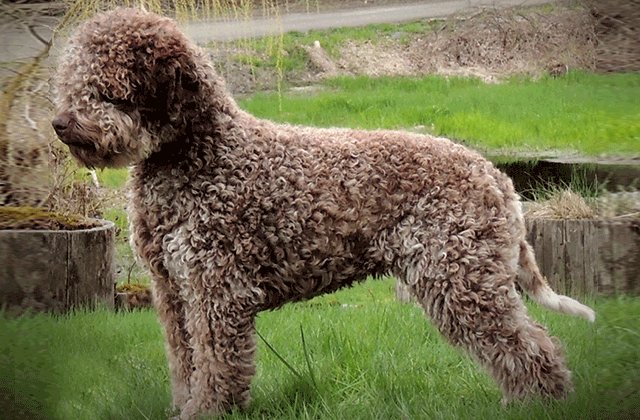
370	356
587	113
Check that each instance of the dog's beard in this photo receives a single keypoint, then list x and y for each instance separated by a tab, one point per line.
87	155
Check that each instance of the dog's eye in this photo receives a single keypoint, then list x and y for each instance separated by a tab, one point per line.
120	104
108	97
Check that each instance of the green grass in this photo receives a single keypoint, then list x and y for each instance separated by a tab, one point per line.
28	383
110	178
583	112
371	357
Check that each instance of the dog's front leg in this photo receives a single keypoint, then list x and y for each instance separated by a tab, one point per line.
218	308
170	310
221	335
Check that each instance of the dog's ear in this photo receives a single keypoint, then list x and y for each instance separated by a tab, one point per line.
171	75
182	83
176	84
189	80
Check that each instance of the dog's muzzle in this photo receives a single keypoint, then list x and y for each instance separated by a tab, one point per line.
61	124
68	132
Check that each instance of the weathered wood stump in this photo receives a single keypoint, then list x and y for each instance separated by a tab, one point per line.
57	270
589	256
582	258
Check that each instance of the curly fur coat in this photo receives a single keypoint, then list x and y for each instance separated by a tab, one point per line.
235	215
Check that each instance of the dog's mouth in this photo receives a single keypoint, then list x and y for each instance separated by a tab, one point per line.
79	144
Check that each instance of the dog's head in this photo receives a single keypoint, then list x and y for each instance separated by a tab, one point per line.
126	83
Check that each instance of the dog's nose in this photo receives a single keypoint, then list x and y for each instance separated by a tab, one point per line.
60	123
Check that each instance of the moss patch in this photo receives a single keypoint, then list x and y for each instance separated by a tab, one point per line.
42	219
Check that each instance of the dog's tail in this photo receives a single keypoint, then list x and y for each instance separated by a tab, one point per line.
536	286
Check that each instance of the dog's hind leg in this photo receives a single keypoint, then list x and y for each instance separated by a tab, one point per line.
478	308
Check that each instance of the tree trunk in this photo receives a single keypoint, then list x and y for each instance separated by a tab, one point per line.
57	270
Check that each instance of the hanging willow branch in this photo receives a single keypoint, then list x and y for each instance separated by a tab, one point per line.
10	93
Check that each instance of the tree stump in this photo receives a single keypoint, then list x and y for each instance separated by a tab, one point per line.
57	270
587	257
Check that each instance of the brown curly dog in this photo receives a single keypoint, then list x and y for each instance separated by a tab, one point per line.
235	215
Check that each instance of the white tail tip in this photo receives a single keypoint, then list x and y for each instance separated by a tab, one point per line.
564	304
573	307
